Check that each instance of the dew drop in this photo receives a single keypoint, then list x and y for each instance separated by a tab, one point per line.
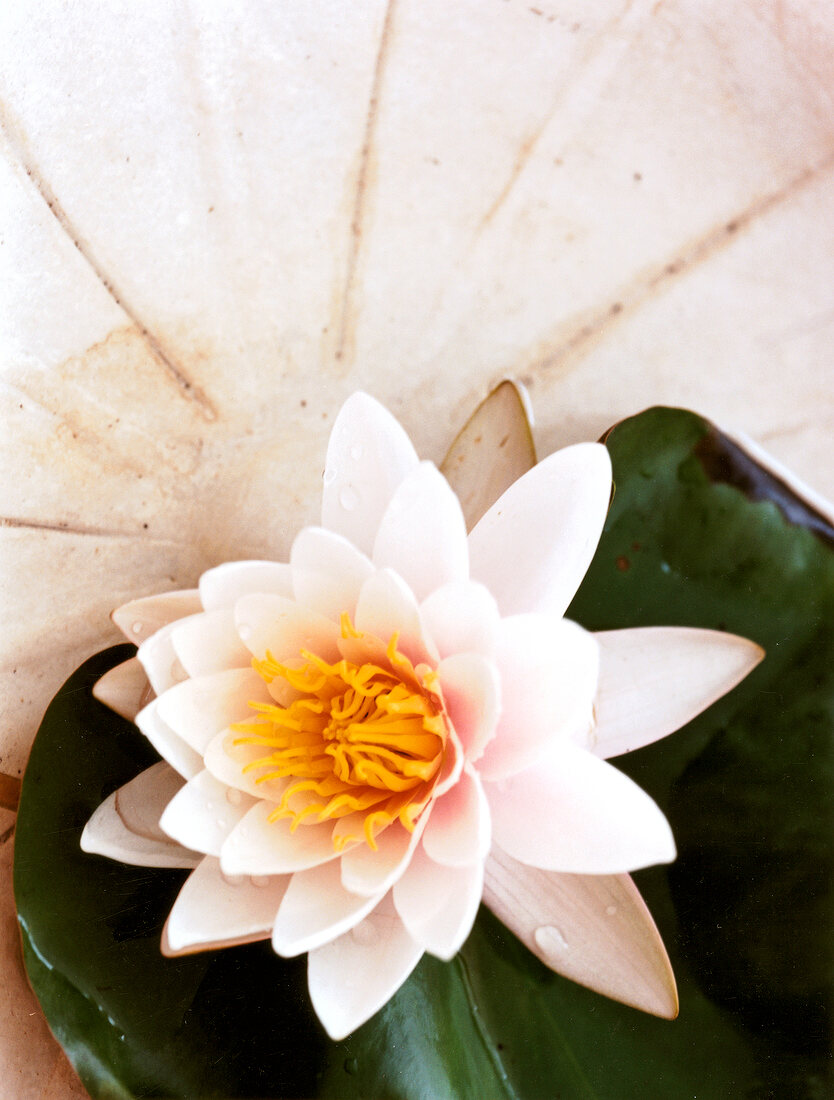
550	941
348	498
329	475
233	880
356	452
259	880
234	796
351	1066
365	933
611	910
137	627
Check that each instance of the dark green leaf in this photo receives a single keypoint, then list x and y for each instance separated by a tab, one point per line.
696	535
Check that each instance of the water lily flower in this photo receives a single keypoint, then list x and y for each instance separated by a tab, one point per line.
361	744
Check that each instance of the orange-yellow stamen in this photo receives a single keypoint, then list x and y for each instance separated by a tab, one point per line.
362	741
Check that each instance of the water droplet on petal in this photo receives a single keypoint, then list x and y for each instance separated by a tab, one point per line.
329	475
365	933
356	452
550	941
137	627
348	498
233	880
611	910
234	796
259	880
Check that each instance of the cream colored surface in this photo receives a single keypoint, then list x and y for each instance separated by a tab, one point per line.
219	220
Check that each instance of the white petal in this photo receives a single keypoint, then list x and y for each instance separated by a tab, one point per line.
573	812
260	847
225	584
422	535
159	658
438	905
458	832
370	873
209	643
654	680
352	977
168	744
141	802
327	572
472	695
387	606
367	457
125	689
317	909
139	619
199	709
461	617
548	670
284	628
226	760
534	545
202	815
594	929
214	911
106	834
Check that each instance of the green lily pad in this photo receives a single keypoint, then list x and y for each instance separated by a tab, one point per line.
697	534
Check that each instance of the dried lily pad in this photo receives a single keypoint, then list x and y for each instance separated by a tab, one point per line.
697	534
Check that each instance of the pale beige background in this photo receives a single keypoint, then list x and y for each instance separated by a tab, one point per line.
218	220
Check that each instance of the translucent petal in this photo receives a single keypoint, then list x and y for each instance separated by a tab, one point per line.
202	815
141	802
225	584
461	617
139	619
106	834
367	457
370	873
209	643
327	572
458	832
198	710
317	909
534	545
352	977
573	812
284	628
438	904
168	744
472	696
260	847
387	606
125	689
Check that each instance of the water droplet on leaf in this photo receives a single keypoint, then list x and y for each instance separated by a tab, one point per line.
550	941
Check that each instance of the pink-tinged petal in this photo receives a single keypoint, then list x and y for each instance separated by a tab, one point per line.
106	834
422	535
168	744
141	802
317	909
387	606
370	873
213	910
224	585
209	643
438	904
472	694
199	709
548	670
352	977
654	680
125	689
202	815
260	847
368	455
452	766
594	929
458	832
159	658
139	619
226	758
461	617
534	545
284	628
327	572
573	812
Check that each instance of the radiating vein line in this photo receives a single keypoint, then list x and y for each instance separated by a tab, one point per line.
17	148
594	324
347	308
66	528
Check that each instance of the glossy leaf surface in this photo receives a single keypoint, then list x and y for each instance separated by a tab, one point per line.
697	534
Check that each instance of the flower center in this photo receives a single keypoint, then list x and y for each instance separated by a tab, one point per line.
358	739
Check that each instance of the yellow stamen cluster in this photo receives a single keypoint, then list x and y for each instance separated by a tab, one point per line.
364	740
